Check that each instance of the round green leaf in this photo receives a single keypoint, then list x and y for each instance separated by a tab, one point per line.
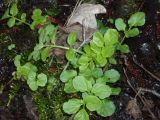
101	90
41	79
132	33
97	72
82	115
93	103
101	80
137	19
112	60
108	51
72	38
23	17
123	48
11	22
98	39
31	77
17	60
120	24
94	47
102	61
83	60
14	9
87	50
107	108
11	46
36	14
33	85
111	36
44	53
112	75
67	75
80	83
68	88
116	91
70	54
72	106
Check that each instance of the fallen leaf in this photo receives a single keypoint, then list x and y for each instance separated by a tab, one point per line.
85	15
84	18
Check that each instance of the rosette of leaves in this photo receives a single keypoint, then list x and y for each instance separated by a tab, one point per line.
91	82
94	89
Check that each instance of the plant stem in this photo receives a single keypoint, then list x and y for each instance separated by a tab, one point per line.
125	36
22	21
62	47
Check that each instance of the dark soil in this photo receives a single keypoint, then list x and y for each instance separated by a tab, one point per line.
145	50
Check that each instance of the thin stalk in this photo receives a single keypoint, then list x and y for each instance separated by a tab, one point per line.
62	47
19	20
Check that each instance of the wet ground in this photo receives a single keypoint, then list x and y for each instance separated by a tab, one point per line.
135	67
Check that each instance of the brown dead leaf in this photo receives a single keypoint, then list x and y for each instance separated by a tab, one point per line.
133	109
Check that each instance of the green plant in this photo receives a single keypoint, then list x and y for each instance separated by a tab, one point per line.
12	13
89	76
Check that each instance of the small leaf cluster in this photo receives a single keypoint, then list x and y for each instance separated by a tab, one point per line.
47	36
12	15
137	19
100	50
37	18
94	89
28	72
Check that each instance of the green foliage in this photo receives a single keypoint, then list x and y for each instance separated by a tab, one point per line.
41	50
72	106
82	115
135	20
86	76
28	72
120	24
90	80
107	108
10	47
37	18
12	12
71	38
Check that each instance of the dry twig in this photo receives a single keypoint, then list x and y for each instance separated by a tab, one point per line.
150	91
147	71
141	98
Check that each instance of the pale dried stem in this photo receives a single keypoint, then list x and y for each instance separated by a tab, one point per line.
149	91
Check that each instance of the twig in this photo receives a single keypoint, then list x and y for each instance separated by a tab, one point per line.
142	99
147	71
150	91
